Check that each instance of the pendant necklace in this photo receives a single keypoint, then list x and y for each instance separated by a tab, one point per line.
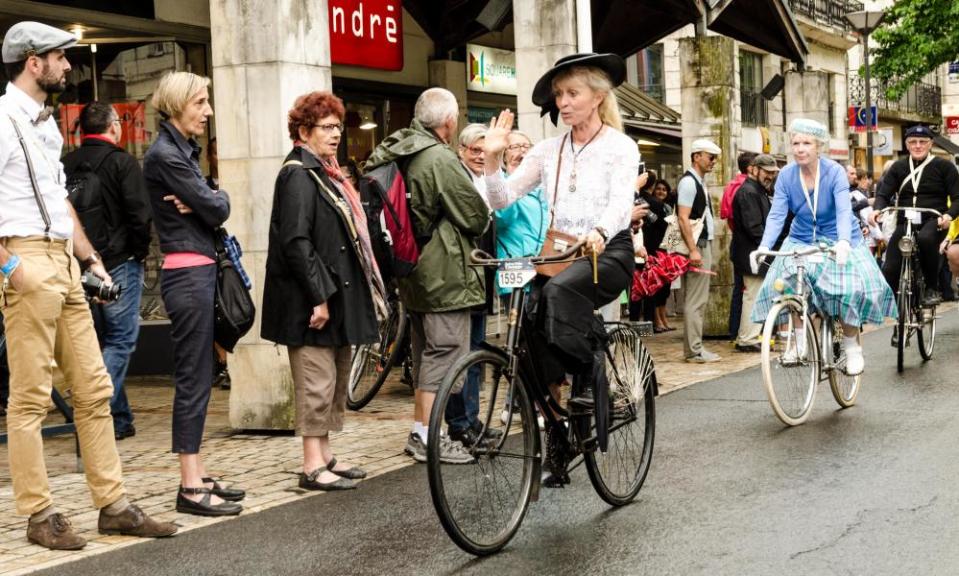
572	175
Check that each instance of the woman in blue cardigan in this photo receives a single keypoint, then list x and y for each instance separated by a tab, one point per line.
849	286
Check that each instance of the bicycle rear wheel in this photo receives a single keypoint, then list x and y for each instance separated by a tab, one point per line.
925	320
482	504
372	363
845	388
618	474
790	379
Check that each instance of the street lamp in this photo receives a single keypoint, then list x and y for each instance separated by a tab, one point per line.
864	22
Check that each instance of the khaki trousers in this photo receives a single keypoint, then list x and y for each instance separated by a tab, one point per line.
47	319
749	332
696	296
321	375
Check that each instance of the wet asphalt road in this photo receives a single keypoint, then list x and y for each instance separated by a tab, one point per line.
869	490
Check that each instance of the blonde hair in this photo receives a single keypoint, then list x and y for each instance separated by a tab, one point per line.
175	90
598	81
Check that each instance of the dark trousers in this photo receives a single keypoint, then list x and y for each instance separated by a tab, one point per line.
188	296
736	306
462	410
929	237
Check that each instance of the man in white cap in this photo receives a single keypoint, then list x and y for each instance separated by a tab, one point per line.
46	314
692	204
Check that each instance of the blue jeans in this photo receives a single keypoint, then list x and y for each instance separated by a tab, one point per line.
118	327
462	410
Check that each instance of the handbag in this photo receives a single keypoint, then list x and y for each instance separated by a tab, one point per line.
234	310
673	240
556	241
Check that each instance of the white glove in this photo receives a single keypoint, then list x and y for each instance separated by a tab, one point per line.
756	259
842	249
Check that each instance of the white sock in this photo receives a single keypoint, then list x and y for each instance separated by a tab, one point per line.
850	343
800	339
421	431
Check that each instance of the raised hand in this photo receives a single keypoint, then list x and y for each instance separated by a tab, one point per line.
497	137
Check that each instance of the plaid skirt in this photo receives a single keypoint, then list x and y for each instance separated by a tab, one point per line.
856	293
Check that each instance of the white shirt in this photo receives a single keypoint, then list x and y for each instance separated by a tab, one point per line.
19	213
605	182
479	182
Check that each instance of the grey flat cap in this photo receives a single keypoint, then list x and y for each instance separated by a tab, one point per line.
25	39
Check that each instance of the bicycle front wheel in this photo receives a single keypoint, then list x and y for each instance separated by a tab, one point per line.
925	320
372	363
844	387
481	502
618	474
905	310
790	367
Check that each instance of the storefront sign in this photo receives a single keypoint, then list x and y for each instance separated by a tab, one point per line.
953	72
857	118
882	142
952	124
838	149
132	121
490	70
367	33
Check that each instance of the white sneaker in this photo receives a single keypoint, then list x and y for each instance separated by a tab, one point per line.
704	357
855	363
504	417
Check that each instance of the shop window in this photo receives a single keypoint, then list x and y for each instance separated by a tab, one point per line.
752	103
649	72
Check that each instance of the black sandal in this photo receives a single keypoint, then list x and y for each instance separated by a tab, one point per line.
203	507
228	494
353	473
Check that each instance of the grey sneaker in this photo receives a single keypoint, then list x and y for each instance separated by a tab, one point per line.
415	447
704	357
452	452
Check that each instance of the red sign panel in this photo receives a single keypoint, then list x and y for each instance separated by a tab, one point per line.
132	120
367	33
858	119
952	124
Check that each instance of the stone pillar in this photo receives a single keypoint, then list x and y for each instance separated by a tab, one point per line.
265	54
807	96
451	75
545	31
708	79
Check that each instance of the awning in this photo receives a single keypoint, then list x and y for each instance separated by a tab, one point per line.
778	32
634	104
946	144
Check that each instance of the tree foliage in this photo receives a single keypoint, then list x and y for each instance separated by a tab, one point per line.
915	38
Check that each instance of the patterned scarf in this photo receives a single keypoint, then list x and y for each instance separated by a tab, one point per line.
367	260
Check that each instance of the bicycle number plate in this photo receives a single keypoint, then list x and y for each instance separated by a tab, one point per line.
914	216
515	274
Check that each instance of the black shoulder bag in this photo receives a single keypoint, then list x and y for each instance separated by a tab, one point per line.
234	310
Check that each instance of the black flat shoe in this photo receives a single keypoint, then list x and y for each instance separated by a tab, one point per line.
203	507
310	482
228	494
353	473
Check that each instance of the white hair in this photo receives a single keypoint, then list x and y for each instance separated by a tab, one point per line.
472	133
435	107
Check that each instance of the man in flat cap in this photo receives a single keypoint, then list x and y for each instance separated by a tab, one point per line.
46	315
693	204
919	180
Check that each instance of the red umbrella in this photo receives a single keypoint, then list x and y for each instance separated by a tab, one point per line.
661	269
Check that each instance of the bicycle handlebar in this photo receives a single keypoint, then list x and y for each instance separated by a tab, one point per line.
801	252
904	208
481	258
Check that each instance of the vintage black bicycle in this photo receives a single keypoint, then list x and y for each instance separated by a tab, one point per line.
482	504
914	318
372	363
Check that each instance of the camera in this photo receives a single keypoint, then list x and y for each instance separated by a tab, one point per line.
97	288
651	217
642	169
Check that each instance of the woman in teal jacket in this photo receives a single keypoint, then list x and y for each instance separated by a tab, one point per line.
521	226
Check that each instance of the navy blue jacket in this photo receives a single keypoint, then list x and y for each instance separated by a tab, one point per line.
171	166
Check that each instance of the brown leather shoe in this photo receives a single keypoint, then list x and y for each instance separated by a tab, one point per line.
133	522
55	533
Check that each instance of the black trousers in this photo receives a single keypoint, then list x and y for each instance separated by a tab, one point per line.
560	340
188	297
929	237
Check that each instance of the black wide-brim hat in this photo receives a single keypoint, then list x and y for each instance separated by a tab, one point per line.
611	64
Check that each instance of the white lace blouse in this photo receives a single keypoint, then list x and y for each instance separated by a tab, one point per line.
604	185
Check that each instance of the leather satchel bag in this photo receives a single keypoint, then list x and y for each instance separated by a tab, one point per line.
673	240
556	241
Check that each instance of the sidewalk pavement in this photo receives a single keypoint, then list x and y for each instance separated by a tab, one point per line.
266	465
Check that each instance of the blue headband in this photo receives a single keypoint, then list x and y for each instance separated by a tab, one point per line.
811	127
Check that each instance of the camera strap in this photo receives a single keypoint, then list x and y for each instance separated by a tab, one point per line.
33	179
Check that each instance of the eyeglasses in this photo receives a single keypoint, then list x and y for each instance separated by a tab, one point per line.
519	146
329	128
474	150
917	141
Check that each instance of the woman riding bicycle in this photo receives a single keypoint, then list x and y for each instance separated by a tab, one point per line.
589	176
849	287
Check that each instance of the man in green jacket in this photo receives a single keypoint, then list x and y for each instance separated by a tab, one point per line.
448	216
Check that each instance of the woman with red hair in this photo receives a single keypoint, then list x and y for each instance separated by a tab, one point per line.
323	290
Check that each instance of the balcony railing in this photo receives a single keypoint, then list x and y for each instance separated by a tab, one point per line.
753	108
921	98
830	12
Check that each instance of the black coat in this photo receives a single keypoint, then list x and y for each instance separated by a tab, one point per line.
312	259
750	208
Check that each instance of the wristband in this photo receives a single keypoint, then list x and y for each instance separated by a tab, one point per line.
11	265
602	232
